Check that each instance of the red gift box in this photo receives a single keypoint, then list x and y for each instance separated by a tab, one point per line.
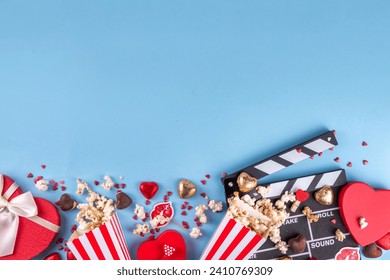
33	232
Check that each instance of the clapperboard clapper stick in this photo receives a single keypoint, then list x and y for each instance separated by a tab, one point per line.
281	160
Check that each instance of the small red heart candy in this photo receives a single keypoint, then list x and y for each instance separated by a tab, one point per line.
148	189
53	257
301	195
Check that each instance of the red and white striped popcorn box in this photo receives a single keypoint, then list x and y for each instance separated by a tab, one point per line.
106	242
232	241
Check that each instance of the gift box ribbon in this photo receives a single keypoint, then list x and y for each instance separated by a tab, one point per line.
22	205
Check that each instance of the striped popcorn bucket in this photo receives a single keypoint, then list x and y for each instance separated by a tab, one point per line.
106	242
232	241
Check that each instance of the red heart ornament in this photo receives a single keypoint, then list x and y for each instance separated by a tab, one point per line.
170	245
384	242
301	195
359	200
32	238
148	189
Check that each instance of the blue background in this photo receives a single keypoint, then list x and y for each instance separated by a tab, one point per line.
164	90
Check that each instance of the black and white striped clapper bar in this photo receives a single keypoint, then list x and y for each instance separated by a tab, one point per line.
282	160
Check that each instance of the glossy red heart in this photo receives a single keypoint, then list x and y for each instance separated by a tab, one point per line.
148	189
384	242
53	257
170	245
359	200
32	239
301	195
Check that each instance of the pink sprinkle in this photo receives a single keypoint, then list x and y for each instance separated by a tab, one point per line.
189	207
147	202
299	150
349	164
52	181
186	203
312	157
43	166
135	217
224	174
183	206
63	188
364	144
169	193
365	162
123	186
333	221
30	175
62	182
184	213
207	176
320	154
204	182
337	159
331	148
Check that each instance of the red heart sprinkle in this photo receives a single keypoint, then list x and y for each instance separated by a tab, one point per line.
320	154
151	237
146	214
337	159
312	157
186	203
152	231
331	148
62	182
299	150
333	221
203	195
183	206
123	186
169	193
189	207
96	183
38	179
196	219
52	181
207	176
144	220
55	188
63	188
184	213
224	174
43	166
157	229
55	184
349	164
116	186
302	195
199	224
147	202
364	144
166	198
204	182
135	217
365	162
59	240
30	175
60	247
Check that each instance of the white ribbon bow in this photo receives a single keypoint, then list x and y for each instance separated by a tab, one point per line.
21	206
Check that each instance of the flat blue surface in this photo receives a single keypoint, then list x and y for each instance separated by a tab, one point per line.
164	90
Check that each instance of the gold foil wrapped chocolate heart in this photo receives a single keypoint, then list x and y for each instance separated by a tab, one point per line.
186	188
246	182
325	196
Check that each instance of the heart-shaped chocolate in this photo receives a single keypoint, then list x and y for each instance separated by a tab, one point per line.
170	245
186	188
297	244
372	251
246	182
32	239
359	200
122	200
325	196
66	202
148	189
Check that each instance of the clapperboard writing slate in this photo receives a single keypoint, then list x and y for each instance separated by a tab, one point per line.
321	242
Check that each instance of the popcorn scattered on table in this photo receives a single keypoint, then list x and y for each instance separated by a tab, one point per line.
140	212
42	185
286	197
263	190
340	236
199	212
159	219
108	183
141	229
362	222
215	206
282	246
195	232
311	217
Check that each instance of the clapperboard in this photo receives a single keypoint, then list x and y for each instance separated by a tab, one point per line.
321	241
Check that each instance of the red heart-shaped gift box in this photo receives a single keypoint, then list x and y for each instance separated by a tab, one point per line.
32	238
